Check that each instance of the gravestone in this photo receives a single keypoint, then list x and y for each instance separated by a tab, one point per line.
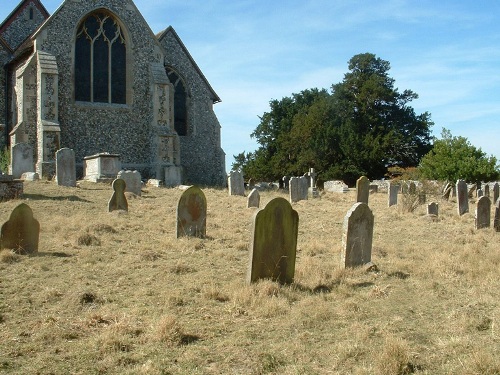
496	220
447	191
393	190
298	189
235	183
30	176
412	188
496	191
254	199
21	232
312	191
362	189
336	186
357	236
433	209
462	197
65	167
487	190
480	193
192	213
286	182
118	200
21	160
373	188
133	181
274	242
483	208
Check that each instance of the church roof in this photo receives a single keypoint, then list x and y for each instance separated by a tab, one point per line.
170	30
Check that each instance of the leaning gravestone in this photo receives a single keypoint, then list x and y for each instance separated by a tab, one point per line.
65	167
273	245
298	189
483	213
462	197
496	222
118	200
21	159
235	183
433	209
496	191
362	189
21	232
254	199
393	190
132	180
192	213
357	236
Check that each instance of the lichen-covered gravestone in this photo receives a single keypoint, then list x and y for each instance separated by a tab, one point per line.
462	197
192	213
483	208
65	167
118	200
273	245
132	180
362	189
235	183
393	190
254	199
21	232
357	236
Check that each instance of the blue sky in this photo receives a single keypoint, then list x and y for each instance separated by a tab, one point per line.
448	52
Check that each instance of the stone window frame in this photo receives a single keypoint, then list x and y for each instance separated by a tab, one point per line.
180	79
128	62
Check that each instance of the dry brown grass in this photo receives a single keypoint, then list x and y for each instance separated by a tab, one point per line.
119	294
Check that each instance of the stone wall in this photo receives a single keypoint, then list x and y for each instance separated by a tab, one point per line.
4	58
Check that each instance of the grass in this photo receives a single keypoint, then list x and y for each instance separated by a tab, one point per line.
113	293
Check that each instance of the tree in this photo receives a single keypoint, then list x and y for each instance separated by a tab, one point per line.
454	158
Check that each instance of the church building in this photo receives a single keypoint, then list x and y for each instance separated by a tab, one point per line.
94	78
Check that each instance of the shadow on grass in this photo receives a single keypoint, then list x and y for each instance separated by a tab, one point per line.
39	197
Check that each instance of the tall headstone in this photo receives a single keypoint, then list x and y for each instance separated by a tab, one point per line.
496	222
254	199
357	236
21	159
393	190
118	200
192	213
433	209
21	232
483	212
235	183
273	245
133	181
362	189
487	190
298	189
462	197
65	167
496	192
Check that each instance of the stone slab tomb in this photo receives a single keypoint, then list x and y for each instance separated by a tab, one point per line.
21	159
254	199
298	187
483	212
192	213
65	167
392	193
357	236
462	197
118	200
235	183
273	244
21	233
132	180
102	167
336	186
362	189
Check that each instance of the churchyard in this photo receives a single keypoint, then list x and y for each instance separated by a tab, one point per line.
120	293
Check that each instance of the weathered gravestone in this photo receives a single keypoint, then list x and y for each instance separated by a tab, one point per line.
480	193
483	208
274	242
133	181
65	167
496	191
21	232
462	197
298	189
487	190
362	189
235	183
118	200
496	222
192	213
254	199
21	159
357	236
312	191
433	209
412	188
393	190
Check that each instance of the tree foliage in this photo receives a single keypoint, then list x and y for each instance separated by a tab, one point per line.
359	128
454	158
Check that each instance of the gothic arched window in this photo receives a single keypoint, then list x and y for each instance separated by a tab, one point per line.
180	103
100	60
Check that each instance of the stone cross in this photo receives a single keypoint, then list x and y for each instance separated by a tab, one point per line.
362	189
254	199
357	236
118	200
273	245
462	197
192	213
313	193
482	219
21	232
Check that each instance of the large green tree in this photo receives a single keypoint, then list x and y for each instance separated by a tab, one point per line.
359	128
454	158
